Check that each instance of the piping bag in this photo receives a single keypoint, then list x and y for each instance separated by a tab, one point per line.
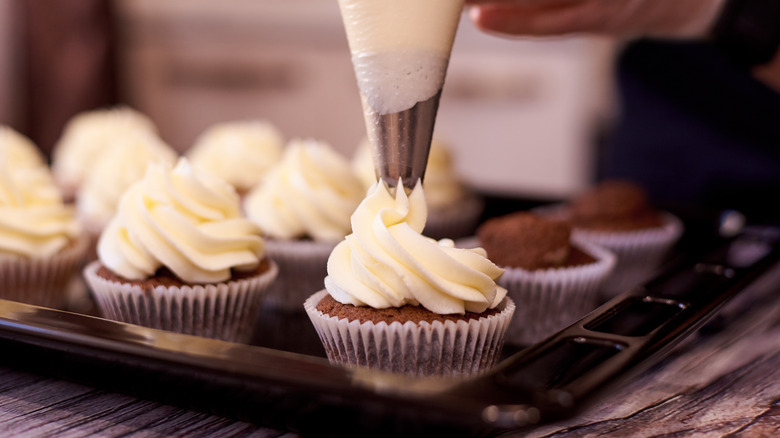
400	52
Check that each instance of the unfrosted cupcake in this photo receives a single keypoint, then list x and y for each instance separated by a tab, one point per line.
111	174
398	301
240	152
87	136
179	256
303	207
41	243
617	215
453	210
553	278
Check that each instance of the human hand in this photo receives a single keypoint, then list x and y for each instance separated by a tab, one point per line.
622	18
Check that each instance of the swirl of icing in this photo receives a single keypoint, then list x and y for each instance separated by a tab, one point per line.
115	170
239	152
19	151
34	222
443	187
311	192
184	220
387	262
87	135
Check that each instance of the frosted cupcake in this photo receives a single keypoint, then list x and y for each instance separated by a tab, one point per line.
112	173
87	136
41	243
303	207
453	211
179	256
19	151
240	152
554	279
617	215
398	301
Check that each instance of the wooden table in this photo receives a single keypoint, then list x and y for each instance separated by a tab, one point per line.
723	381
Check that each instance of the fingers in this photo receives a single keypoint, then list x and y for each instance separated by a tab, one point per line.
542	20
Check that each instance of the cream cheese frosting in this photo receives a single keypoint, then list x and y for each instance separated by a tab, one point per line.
387	262
89	134
400	49
443	187
311	193
114	171
182	219
18	150
34	222
240	152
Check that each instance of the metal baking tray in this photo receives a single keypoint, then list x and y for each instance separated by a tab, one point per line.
282	379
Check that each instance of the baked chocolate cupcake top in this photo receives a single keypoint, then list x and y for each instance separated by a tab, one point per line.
529	241
614	205
408	313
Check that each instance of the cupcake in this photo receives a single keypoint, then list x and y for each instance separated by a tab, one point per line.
398	301
553	277
87	136
303	207
453	210
239	152
41	243
111	174
179	256
617	215
19	151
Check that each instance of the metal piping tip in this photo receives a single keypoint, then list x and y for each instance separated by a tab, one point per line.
400	141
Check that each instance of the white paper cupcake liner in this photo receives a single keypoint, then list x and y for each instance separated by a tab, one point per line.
639	253
42	282
450	348
456	221
549	300
302	270
224	311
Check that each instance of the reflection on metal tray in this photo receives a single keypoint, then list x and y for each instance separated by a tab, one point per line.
297	388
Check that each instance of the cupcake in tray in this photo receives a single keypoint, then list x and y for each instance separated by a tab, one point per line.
617	215
240	152
179	256
453	210
303	207
41	242
398	301
86	137
111	174
553	278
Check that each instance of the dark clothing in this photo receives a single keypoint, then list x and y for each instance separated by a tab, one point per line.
696	130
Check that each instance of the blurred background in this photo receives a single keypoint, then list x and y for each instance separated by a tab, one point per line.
523	118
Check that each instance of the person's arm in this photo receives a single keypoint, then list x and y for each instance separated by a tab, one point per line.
748	30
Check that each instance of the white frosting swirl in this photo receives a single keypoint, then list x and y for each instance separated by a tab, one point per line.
443	187
387	262
87	136
311	192
239	152
19	151
184	220
34	222
114	171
